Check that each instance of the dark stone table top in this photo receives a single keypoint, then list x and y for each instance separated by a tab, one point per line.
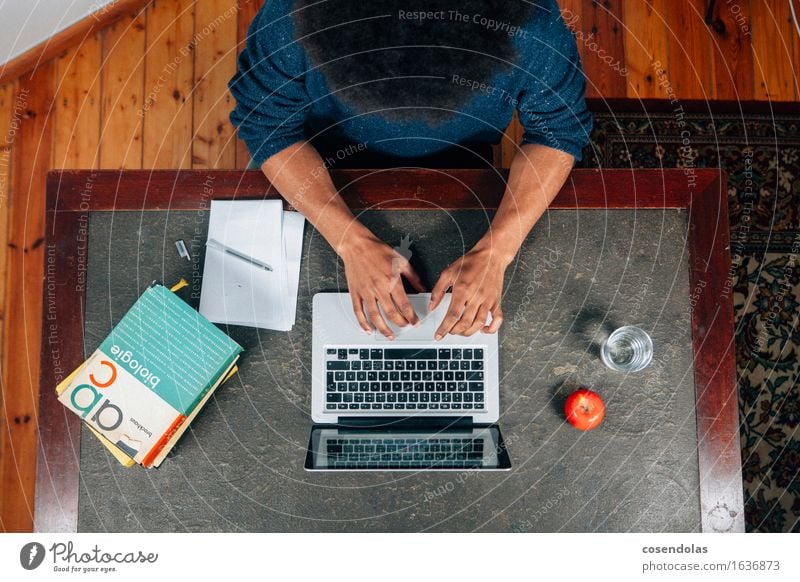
579	275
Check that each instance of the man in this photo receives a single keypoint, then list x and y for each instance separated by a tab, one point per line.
407	80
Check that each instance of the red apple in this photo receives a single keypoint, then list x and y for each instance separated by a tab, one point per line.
584	409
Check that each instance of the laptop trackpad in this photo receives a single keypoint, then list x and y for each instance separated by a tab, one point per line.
428	322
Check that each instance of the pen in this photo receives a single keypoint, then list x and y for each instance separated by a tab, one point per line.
227	250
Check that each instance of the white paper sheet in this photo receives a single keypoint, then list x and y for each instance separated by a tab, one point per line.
238	292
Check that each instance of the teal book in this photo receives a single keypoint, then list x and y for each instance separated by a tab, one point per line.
150	374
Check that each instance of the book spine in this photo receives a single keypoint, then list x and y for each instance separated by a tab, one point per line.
216	380
147	461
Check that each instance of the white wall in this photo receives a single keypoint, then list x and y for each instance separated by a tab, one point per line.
26	23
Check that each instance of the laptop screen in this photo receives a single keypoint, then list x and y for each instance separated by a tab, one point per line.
376	449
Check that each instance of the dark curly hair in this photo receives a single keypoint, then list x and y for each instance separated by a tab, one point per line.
384	55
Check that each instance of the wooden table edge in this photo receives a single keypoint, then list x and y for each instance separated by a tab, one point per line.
72	194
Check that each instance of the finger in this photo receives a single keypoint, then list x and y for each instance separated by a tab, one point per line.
497	321
441	287
451	317
480	321
389	309
467	319
358	309
411	275
377	319
404	305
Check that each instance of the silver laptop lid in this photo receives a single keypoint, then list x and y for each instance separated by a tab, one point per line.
453	385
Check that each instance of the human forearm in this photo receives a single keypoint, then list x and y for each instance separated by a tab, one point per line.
301	177
536	176
373	268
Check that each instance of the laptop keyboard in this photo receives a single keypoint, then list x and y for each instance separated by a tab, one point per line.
405	379
364	453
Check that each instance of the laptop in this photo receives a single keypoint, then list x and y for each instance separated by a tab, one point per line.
406	404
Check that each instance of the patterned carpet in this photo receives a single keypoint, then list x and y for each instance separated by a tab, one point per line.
761	153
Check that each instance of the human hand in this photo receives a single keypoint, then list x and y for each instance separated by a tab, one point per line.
477	283
374	272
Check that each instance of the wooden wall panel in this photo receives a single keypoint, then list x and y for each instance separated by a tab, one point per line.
795	64
76	124
169	72
645	42
216	28
25	273
773	33
732	64
602	22
123	93
689	49
8	132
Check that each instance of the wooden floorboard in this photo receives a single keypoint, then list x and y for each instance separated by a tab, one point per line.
169	77
9	132
603	22
773	34
123	93
645	47
76	123
733	51
25	271
216	32
688	49
8	121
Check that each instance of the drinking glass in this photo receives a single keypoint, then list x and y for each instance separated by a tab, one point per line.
627	349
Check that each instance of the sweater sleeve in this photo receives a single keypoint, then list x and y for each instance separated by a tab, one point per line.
271	99
552	107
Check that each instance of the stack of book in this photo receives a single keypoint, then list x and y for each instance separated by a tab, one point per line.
141	389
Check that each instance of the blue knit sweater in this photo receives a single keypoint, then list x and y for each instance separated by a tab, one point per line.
282	99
